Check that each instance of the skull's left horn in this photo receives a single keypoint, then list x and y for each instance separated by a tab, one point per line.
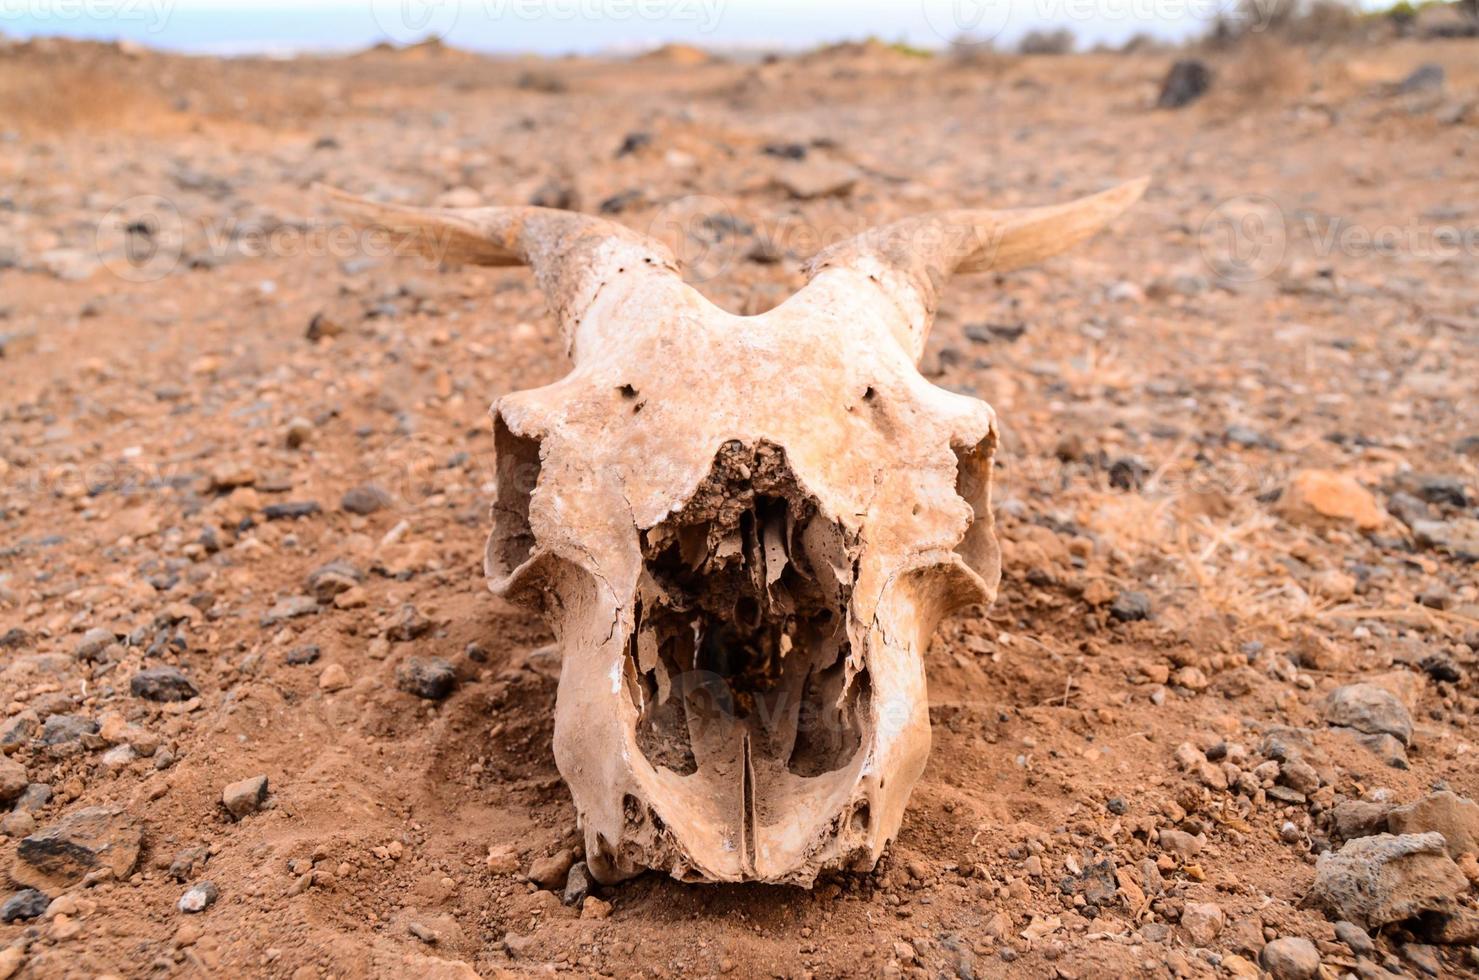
573	256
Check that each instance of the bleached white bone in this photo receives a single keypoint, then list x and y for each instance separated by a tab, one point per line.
743	530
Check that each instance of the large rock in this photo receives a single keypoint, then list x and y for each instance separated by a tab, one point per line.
551	871
1373	881
1351	819
65	728
1456	818
13	779
1323	498
1291	958
87	840
1203	922
1370	709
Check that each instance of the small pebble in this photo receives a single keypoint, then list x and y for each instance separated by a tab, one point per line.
199	897
28	903
245	796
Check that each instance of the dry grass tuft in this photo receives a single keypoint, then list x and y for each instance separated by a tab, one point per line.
1262	72
1054	42
70	96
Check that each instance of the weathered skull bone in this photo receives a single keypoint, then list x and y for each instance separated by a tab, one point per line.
743	530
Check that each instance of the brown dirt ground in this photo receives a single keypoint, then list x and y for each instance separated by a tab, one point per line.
123	398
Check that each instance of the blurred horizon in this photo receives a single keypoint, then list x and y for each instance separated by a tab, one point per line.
558	27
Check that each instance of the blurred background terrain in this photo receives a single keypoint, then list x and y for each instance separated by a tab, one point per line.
245	466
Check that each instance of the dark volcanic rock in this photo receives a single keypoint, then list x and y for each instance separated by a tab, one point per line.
365	499
162	684
1424	78
426	677
1188	80
1130	606
84	841
291	510
28	903
409	625
67	728
577	884
327	581
299	656
1449	490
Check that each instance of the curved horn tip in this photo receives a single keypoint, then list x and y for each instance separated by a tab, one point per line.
1131	190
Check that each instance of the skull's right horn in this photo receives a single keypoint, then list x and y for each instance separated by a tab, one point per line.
911	259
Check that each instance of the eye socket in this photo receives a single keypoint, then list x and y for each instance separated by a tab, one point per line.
518	464
978	547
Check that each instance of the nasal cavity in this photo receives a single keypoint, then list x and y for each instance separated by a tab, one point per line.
741	628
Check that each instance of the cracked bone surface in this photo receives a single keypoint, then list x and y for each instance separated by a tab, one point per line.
743	530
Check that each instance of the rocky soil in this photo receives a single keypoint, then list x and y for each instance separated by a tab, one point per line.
262	718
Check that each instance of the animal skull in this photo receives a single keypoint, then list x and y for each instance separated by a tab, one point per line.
743	530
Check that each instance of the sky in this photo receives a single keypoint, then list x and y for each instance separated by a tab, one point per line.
555	27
